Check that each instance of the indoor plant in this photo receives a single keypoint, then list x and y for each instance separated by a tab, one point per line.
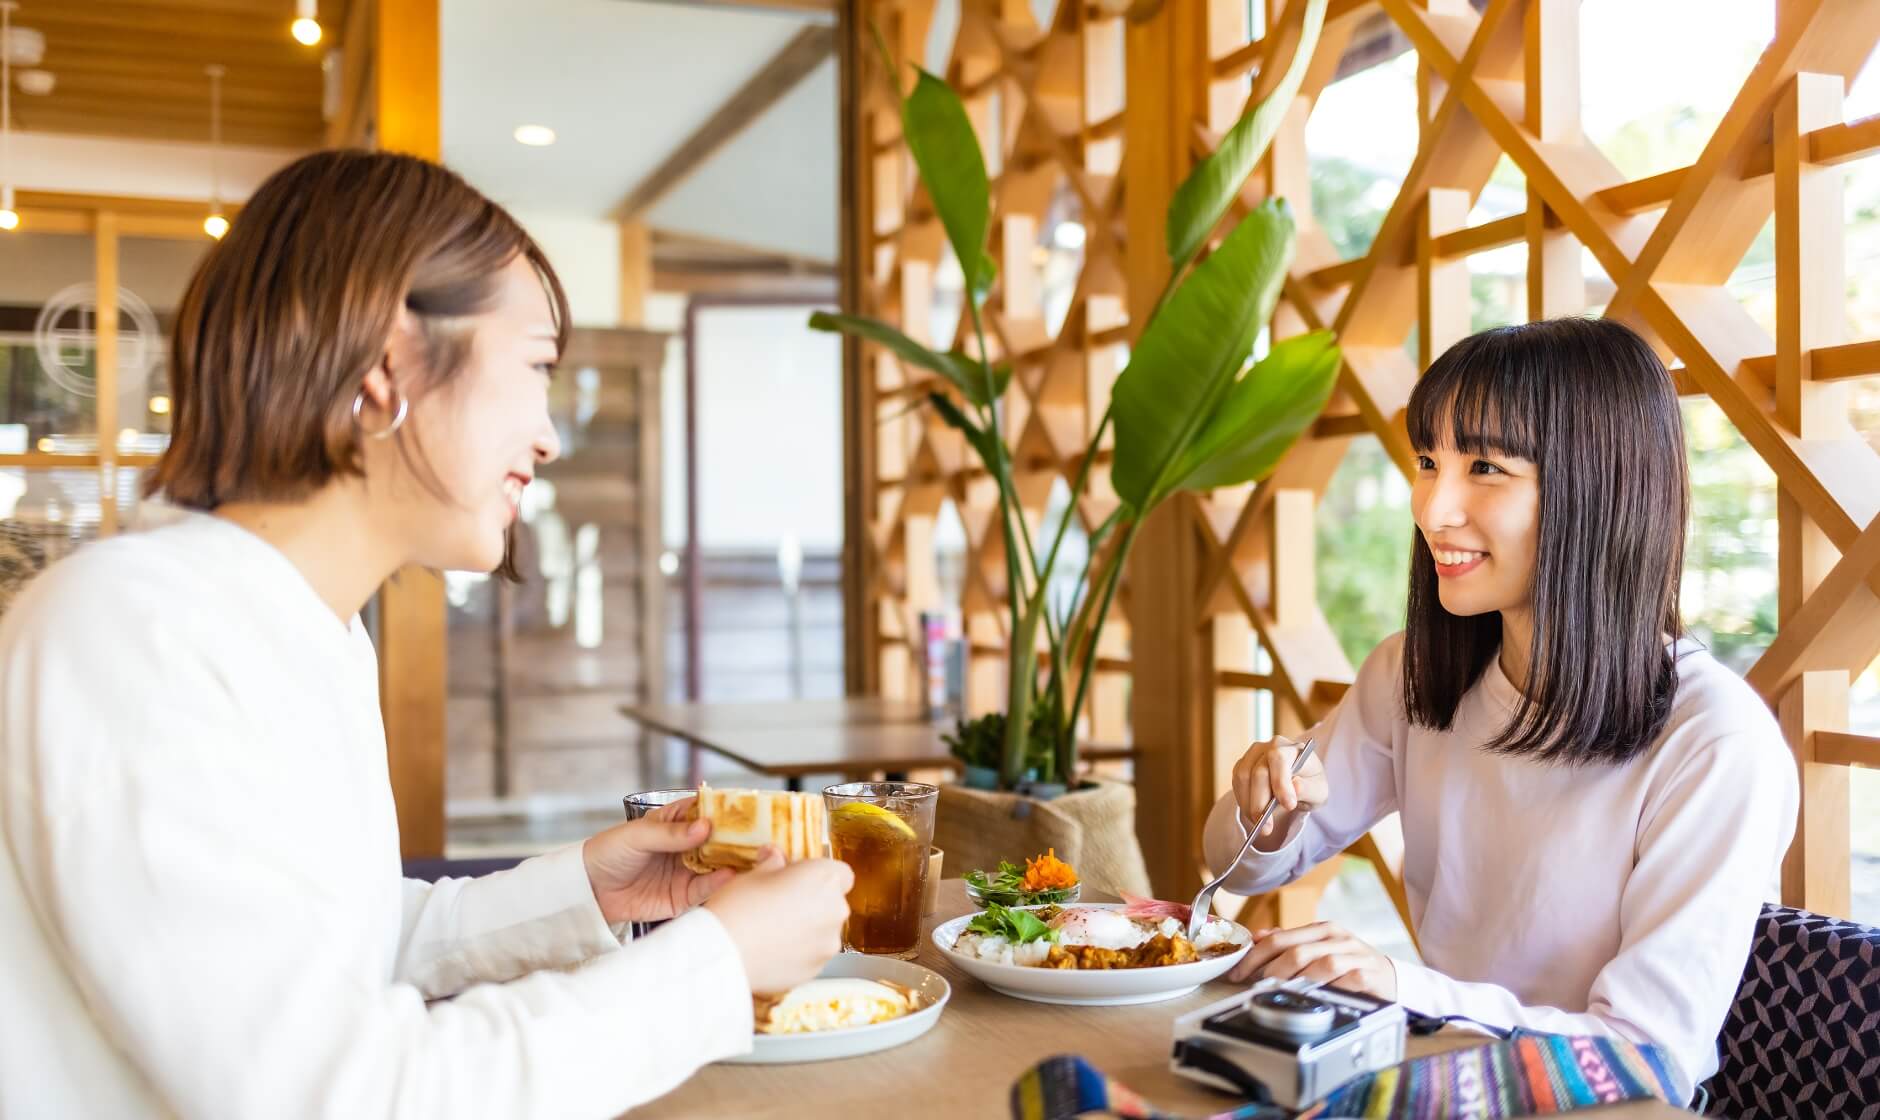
1189	415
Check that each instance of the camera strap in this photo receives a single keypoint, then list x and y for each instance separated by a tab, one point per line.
1528	1075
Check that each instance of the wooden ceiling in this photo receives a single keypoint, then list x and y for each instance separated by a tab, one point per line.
135	68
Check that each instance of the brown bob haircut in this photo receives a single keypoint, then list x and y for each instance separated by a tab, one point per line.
294	305
1590	404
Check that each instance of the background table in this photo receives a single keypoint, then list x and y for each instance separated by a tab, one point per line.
854	738
965	1065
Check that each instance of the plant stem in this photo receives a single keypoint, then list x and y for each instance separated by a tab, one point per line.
1112	577
1078	604
1022	657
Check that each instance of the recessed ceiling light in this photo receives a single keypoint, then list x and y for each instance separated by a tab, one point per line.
535	135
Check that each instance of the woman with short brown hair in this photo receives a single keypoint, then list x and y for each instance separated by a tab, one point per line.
202	911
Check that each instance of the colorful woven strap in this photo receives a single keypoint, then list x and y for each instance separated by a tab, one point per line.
1531	1075
1065	1086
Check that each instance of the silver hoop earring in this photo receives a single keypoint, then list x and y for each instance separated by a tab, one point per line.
398	418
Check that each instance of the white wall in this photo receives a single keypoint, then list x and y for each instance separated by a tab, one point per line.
45	161
586	255
794	153
770	432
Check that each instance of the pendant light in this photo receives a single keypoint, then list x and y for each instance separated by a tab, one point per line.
306	22
9	211
215	225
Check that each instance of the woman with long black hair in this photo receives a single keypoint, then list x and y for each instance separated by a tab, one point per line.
1593	807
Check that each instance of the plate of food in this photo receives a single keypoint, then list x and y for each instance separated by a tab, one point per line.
857	1005
1043	879
1092	954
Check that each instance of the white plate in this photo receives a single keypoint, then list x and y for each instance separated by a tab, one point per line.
933	990
1092	987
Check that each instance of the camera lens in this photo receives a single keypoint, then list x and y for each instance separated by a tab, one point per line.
1291	1014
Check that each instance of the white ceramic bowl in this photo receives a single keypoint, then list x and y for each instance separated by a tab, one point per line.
933	990
1093	987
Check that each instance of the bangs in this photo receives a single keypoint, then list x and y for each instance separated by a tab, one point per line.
1479	398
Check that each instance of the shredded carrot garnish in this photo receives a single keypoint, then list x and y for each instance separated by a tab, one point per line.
1049	873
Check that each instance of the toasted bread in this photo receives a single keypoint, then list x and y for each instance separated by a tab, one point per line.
744	820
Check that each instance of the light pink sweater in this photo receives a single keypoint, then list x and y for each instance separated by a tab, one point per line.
1617	900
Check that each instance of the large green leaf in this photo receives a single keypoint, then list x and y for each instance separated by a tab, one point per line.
946	150
1188	355
966	375
1210	188
1262	414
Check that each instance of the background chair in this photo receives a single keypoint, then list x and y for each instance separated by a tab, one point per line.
1803	1037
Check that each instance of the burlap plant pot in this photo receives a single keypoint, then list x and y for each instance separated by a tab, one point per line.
1093	830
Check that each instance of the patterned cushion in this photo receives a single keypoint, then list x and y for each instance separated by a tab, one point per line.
22	556
1803	1038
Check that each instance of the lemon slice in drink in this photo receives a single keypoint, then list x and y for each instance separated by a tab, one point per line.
865	815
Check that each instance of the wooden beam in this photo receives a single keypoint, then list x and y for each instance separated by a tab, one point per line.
636	272
105	330
802	54
413	628
1842	748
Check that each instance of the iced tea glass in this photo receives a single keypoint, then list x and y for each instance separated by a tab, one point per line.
883	830
639	805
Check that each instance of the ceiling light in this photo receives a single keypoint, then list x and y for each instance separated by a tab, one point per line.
9	217
535	135
215	225
160	405
306	22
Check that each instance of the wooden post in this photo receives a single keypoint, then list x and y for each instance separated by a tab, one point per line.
1442	285
413	628
105	362
636	272
1167	67
1810	286
1555	284
860	636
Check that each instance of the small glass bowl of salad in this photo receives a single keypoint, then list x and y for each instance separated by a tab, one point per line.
1042	881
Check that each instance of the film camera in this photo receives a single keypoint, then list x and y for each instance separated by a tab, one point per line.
1287	1042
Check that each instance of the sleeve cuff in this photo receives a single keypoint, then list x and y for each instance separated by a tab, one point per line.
718	992
1415	989
564	871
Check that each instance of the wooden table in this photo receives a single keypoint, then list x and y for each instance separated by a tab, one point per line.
965	1065
855	738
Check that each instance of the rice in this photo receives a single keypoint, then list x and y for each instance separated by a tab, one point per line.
997	950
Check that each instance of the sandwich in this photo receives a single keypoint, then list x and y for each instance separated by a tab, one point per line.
831	1004
744	820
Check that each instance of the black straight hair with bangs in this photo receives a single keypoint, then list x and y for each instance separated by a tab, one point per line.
1590	404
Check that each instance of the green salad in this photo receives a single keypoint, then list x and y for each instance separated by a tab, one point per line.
1006	887
1020	927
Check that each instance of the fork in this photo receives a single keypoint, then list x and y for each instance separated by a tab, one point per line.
1198	910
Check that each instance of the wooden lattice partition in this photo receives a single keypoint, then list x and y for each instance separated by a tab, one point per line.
1213	575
